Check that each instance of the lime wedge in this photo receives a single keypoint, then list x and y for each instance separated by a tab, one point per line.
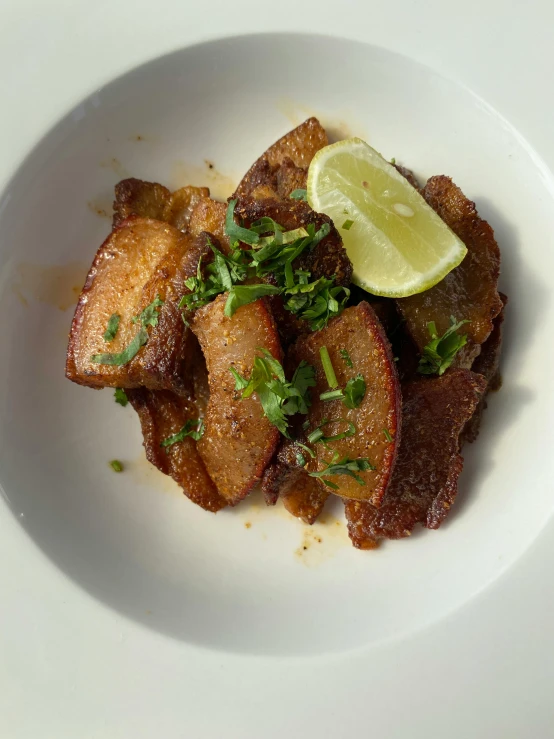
398	245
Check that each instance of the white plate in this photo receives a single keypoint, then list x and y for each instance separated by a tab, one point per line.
259	592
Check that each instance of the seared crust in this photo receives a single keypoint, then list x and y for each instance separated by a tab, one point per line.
359	332
239	440
487	364
162	414
424	481
305	499
295	151
302	495
135	197
469	291
140	260
152	200
209	215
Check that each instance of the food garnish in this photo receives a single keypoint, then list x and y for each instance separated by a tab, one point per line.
439	353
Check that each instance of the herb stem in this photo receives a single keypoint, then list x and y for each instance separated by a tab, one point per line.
328	367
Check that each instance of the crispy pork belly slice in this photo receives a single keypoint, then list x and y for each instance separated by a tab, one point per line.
376	419
239	440
152	200
209	215
302	495
425	478
305	499
140	260
163	414
293	152
487	364
469	291
327	259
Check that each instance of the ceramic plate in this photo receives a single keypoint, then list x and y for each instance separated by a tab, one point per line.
252	585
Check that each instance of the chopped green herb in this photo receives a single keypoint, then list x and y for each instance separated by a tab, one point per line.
237	233
328	367
299	194
331	395
278	397
346	357
240	382
300	459
120	396
330	484
439	353
148	317
315	302
217	277
126	355
193	428
388	436
315	435
354	392
113	325
116	465
345	211
318	435
393	161
346	466
244	294
347	225
306	449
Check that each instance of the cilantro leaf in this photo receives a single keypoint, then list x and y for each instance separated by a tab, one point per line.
235	232
116	465
439	353
112	328
126	355
345	466
388	435
193	428
315	302
278	397
347	225
299	194
354	392
346	357
120	396
244	294
148	317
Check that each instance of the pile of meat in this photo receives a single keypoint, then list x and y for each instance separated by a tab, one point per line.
410	426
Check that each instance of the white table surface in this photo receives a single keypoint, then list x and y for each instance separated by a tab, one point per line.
69	667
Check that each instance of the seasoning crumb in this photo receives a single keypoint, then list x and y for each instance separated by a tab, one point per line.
247	525
210	165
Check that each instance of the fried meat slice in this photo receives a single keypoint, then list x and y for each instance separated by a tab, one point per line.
302	495
284	166
141	260
327	259
239	440
209	215
376	419
468	292
305	499
152	200
425	478
163	414
487	364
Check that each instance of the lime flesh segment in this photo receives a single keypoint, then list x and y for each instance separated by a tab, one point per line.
398	245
